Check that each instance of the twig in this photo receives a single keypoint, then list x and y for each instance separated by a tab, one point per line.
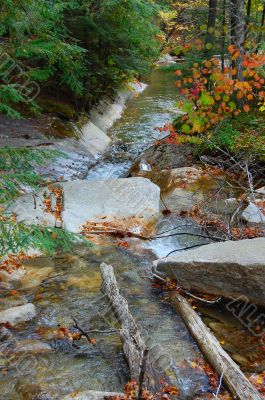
219	386
188	293
233	216
84	333
176	227
164	204
188	234
104	331
203	300
187	248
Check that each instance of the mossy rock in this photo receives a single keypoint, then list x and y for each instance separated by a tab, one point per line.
57	107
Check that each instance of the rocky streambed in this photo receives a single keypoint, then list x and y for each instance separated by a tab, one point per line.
41	352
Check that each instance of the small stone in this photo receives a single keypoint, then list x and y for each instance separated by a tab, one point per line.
12	276
253	214
261	190
15	315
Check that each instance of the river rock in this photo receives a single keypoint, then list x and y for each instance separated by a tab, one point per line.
173	178
34	277
253	214
131	204
12	275
261	190
165	156
32	346
180	200
91	395
15	315
31	391
231	269
90	283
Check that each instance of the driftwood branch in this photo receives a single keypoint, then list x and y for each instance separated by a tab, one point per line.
133	345
83	333
238	384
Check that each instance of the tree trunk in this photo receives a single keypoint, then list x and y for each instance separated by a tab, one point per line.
223	35
210	36
238	33
238	384
249	4
261	24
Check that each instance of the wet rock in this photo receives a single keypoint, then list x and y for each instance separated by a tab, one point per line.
34	277
94	139
130	204
165	156
253	214
180	200
261	190
173	178
108	110
91	282
15	315
91	395
231	269
13	300
32	346
29	391
73	163
186	174
12	275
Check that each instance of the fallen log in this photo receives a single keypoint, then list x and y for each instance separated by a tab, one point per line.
238	384
133	344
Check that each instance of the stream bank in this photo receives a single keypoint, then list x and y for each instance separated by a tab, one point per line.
69	285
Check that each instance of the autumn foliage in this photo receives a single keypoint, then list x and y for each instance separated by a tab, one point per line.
210	94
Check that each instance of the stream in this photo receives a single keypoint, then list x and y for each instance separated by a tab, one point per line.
70	287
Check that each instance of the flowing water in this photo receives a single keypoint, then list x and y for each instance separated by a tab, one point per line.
71	289
136	129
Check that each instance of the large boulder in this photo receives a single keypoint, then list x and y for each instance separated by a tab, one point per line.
131	204
231	269
15	315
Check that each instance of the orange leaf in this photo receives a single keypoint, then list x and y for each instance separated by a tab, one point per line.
235	55
231	48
